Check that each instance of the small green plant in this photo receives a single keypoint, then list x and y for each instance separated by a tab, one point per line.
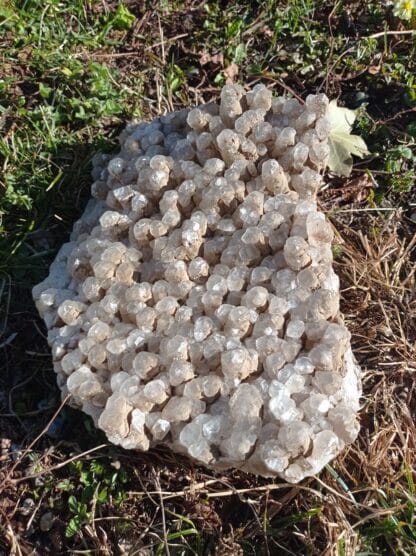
174	78
121	19
80	516
98	482
293	17
400	163
227	33
183	527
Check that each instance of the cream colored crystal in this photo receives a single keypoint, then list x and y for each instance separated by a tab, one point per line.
195	304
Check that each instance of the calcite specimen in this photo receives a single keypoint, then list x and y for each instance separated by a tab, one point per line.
196	305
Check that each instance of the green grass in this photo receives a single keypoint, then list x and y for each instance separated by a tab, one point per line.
71	74
55	113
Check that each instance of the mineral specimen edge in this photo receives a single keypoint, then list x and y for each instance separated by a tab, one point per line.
196	304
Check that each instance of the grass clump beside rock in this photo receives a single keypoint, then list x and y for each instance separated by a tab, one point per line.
71	74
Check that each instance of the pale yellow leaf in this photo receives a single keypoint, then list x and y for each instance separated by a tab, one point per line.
342	143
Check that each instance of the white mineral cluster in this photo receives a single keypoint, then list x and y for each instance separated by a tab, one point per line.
196	304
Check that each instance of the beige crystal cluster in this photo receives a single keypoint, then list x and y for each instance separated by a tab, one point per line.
196	305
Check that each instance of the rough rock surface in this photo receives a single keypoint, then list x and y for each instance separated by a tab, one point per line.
196	305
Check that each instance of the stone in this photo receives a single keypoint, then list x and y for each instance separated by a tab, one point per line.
195	304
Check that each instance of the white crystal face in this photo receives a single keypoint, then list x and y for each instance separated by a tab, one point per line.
196	305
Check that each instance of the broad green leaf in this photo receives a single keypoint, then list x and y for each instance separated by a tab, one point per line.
123	19
73	504
44	90
73	527
102	495
342	144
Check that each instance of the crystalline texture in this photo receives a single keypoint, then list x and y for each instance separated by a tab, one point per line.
195	304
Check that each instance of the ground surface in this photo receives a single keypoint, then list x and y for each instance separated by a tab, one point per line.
71	73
